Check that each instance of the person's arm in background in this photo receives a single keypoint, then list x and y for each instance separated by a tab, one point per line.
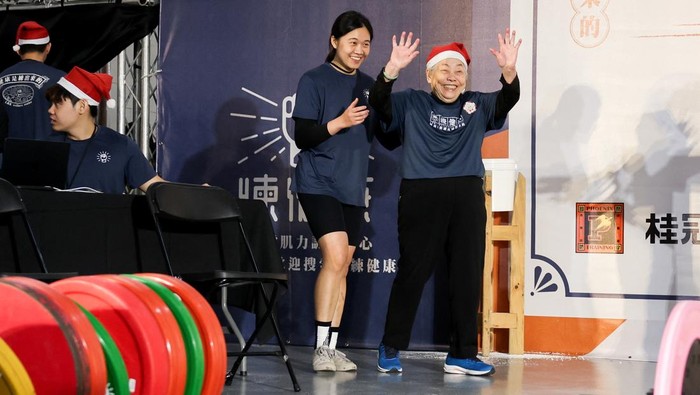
506	56
390	140
507	97
380	97
148	183
402	54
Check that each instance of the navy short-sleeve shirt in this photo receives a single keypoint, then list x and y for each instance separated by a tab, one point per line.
338	166
439	139
107	162
23	87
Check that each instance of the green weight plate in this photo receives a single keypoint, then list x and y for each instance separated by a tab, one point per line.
117	376
215	356
190	334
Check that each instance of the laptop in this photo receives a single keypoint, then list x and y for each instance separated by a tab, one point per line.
35	163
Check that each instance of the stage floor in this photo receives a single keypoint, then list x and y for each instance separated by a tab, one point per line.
422	374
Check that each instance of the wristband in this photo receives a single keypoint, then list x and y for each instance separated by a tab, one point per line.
388	77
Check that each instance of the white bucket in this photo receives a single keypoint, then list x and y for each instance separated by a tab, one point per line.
504	174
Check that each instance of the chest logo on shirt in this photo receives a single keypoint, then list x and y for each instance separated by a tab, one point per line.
469	107
445	124
103	157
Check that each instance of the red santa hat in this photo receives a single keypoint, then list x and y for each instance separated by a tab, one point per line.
92	87
449	51
31	32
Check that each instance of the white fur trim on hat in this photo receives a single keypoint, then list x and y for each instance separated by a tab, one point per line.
35	41
77	92
446	55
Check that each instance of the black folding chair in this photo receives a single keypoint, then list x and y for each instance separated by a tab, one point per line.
11	204
170	202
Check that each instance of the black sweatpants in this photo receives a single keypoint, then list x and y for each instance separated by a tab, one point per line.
440	221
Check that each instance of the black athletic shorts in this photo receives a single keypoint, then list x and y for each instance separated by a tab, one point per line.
326	214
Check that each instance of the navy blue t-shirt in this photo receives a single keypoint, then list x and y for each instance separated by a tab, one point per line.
23	87
107	162
338	166
442	140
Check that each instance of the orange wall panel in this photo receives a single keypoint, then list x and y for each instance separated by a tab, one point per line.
564	335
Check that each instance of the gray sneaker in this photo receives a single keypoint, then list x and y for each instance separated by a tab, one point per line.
323	360
342	363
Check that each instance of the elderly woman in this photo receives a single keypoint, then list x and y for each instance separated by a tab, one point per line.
441	205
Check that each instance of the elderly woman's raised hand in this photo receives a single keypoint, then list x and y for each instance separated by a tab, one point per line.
402	53
507	53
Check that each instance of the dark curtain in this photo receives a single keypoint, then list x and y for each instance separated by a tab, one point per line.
88	36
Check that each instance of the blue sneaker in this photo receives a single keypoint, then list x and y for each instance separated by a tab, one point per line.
470	366
388	360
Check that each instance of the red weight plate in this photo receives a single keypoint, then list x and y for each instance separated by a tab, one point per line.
33	333
89	359
131	323
177	355
14	379
213	340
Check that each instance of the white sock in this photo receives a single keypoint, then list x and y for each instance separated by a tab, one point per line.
334	338
322	329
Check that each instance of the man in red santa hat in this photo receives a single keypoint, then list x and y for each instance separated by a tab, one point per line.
100	158
23	85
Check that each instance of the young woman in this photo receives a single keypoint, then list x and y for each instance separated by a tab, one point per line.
334	130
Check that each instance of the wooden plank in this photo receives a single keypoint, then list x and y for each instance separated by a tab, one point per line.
514	233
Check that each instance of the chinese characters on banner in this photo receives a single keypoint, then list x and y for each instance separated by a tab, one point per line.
301	250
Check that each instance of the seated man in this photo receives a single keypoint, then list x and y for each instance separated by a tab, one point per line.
100	158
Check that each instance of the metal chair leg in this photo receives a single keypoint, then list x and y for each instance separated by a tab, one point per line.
269	314
232	324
